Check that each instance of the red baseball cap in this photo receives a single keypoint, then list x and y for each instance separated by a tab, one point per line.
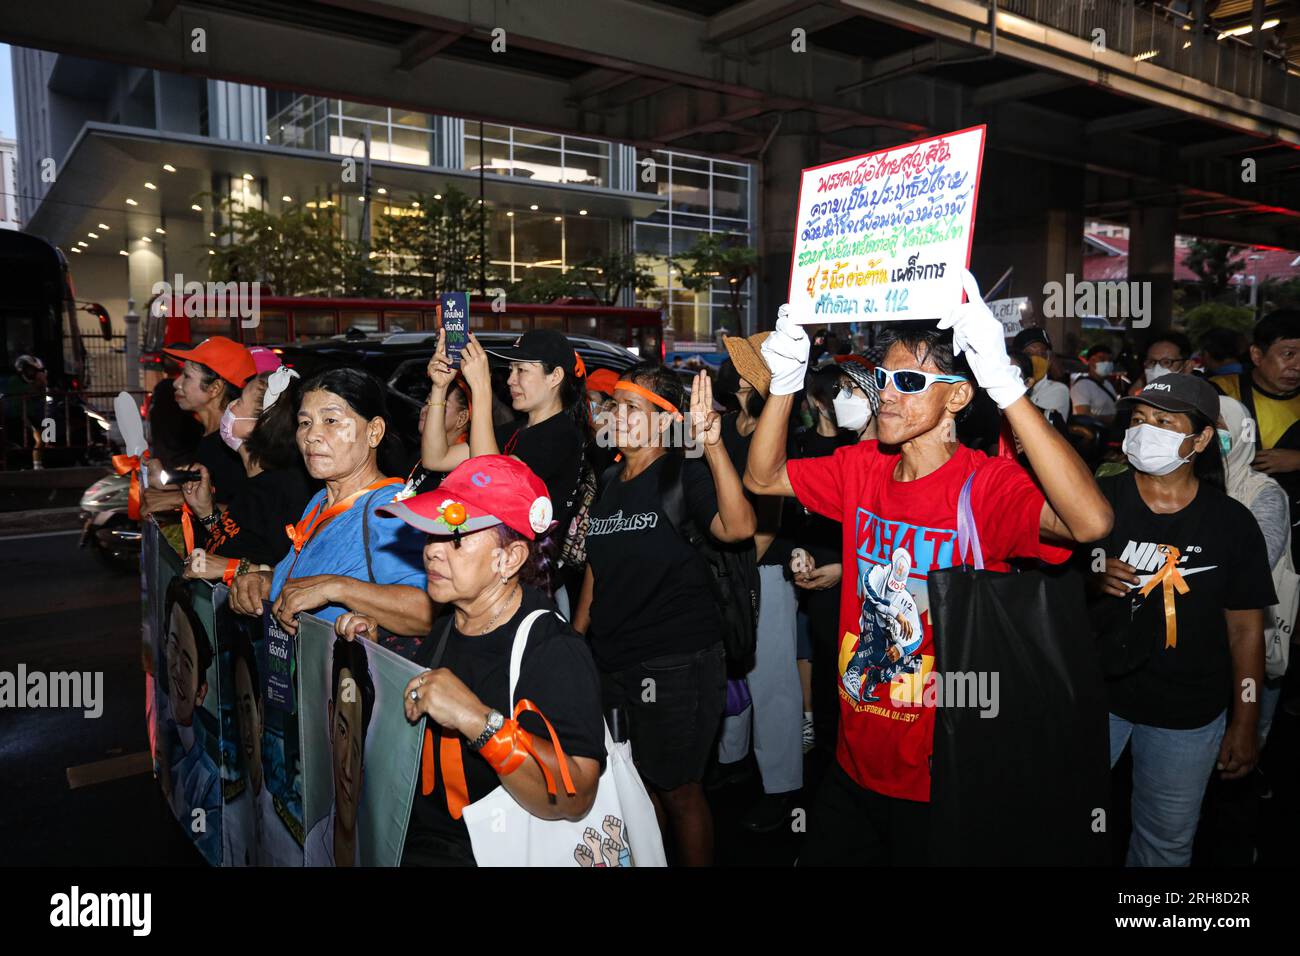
479	493
224	356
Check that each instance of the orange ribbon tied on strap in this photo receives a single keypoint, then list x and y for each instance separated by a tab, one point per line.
507	749
130	465
1171	580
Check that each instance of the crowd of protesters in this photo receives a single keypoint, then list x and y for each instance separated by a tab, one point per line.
827	484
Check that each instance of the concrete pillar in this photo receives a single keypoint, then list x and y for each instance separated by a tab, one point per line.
1151	257
792	150
1030	217
132	323
145	267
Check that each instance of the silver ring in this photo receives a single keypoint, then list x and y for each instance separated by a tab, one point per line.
415	695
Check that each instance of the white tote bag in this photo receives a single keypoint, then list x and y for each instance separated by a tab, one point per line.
620	829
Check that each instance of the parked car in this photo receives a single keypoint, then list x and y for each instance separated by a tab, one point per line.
401	360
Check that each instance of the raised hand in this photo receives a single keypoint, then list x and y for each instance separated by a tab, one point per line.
786	353
706	424
440	371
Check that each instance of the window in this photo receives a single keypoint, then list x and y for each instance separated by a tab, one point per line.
314	325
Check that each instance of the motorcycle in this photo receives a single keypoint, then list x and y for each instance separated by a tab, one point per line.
112	536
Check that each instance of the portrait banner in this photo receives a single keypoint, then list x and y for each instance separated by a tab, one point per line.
361	757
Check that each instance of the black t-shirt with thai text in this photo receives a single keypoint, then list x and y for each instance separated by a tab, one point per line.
556	673
224	466
651	594
1223	562
553	450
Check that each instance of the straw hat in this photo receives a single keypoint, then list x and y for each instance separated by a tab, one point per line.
747	358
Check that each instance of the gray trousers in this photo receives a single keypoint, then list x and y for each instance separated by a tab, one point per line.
776	716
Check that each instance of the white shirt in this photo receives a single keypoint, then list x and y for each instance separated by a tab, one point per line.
1099	399
319	848
1052	396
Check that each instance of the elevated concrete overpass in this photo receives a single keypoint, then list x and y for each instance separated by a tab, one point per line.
1149	126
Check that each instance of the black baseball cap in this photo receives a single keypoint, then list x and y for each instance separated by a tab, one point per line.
1178	393
1029	336
541	345
1098	350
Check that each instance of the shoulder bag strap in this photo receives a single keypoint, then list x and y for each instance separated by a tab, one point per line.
365	536
967	534
517	650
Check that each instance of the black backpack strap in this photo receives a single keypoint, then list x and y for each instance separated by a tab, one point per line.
1246	395
441	647
673	496
365	536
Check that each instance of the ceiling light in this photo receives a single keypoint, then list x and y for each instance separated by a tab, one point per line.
582	212
75	249
510	215
559	218
437	195
131	202
287	198
123	252
146	239
83	243
382	191
415	203
196	207
160	230
169	167
211	253
1247	28
104	227
93	235
150	186
212	235
533	207
248	177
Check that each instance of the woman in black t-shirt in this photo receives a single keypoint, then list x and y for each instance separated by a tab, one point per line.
1180	615
482	558
248	533
646	604
546	388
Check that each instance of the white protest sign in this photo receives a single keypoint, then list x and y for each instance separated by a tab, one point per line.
884	237
1009	312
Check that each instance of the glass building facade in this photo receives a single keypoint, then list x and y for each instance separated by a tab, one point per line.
699	195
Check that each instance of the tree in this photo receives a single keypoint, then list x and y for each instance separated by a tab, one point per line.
1216	315
300	251
602	278
1215	263
433	247
723	256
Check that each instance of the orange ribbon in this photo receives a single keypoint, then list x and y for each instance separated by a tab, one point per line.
187	528
650	397
1171	580
301	533
579	366
505	750
130	465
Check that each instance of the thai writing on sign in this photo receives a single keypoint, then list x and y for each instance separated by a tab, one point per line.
885	236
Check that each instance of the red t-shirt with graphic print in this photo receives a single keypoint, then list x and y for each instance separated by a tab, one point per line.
895	534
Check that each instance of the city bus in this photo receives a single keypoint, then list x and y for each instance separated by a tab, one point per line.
284	320
38	310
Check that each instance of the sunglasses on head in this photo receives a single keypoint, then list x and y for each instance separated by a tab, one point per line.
910	381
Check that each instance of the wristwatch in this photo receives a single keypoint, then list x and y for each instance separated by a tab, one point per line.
495	721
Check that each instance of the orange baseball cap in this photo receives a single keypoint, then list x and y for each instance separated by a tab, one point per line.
224	356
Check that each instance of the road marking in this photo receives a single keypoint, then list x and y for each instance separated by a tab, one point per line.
114	768
43	534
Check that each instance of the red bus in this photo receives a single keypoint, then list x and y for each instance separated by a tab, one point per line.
286	320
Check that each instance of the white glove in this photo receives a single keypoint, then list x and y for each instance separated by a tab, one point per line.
786	353
977	333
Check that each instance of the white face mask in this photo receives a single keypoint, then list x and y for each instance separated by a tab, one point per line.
852	412
1153	450
1105	368
227	427
1156	371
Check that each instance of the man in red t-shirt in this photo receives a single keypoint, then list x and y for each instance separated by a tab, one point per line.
896	499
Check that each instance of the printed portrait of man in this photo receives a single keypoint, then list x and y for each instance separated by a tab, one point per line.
268	842
333	841
889	634
189	775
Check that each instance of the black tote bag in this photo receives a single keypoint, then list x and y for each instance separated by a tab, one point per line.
1029	786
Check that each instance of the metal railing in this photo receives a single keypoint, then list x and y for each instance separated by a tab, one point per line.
59	427
1163	36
